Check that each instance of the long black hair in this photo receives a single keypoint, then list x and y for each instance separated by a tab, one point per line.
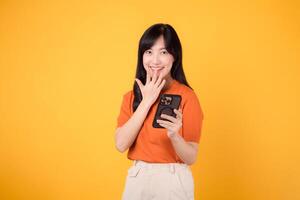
173	46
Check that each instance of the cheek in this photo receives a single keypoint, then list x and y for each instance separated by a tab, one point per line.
167	70
169	64
146	62
169	61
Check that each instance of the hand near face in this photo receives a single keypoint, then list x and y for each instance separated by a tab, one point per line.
173	125
151	89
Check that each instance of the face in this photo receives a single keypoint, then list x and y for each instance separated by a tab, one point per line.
158	59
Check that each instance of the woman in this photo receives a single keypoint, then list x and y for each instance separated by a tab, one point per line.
161	156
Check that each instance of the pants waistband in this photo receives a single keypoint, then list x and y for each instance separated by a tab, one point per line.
168	166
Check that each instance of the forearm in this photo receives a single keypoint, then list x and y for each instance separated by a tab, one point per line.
186	152
127	134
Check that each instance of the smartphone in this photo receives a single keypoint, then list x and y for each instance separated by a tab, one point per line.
167	104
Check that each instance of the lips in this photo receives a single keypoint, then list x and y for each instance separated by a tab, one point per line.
156	68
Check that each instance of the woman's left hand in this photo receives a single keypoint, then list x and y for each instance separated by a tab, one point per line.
173	125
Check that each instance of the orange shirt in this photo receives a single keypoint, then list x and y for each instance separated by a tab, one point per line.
153	144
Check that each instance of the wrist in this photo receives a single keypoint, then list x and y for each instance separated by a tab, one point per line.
175	137
146	104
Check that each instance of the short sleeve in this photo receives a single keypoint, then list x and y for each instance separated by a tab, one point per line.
125	110
192	118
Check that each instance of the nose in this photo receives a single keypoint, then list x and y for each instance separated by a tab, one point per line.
156	59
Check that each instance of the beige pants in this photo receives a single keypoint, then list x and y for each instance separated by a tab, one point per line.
159	181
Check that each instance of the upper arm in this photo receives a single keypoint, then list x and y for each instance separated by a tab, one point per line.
125	109
192	118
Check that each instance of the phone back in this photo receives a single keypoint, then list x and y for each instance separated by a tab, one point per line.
167	104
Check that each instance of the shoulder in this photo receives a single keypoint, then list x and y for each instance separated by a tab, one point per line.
128	95
187	92
190	98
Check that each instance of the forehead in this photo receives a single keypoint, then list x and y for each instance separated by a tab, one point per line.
159	43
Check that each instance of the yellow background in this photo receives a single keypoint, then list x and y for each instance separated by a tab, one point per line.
64	66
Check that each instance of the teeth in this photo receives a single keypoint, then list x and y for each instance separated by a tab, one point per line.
156	67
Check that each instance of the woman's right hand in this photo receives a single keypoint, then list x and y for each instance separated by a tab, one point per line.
152	88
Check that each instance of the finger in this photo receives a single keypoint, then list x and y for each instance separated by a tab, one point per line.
165	122
147	76
178	113
158	80
154	77
139	83
162	84
165	126
172	119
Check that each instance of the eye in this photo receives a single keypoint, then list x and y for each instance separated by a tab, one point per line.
164	52
148	52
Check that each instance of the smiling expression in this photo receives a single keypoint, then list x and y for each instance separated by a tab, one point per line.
158	59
